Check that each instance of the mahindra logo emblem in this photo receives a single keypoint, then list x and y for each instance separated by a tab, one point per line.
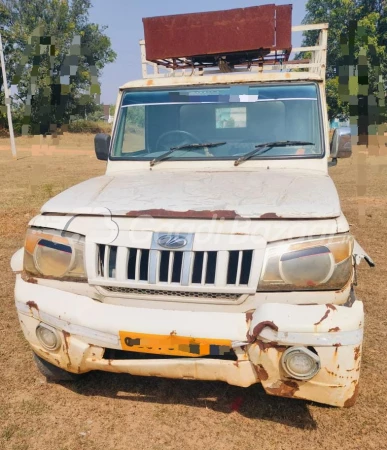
172	241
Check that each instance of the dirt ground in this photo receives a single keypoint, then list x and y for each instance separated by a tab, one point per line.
108	411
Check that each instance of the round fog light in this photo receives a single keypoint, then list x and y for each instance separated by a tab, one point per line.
48	337
300	363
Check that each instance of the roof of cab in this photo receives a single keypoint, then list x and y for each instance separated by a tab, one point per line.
234	78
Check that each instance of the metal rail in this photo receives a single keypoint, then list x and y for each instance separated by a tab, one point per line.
278	61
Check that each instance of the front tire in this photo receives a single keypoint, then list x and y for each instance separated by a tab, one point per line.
53	373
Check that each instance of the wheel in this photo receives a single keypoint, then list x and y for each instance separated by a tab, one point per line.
175	138
53	373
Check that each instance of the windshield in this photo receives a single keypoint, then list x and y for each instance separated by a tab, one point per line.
151	123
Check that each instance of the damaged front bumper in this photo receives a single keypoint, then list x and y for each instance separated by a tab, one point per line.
90	332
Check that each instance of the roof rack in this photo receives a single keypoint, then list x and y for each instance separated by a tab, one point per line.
259	61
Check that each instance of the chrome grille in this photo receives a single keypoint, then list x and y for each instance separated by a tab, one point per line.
182	294
179	268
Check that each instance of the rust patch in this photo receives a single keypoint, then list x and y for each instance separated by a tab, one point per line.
333	374
351	401
283	389
66	336
249	316
261	372
337	345
173	333
357	352
330	306
236	363
259	327
28	279
270	216
323	317
31	304
264	346
190	214
334	330
26	276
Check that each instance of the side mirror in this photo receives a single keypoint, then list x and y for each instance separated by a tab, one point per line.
102	146
341	146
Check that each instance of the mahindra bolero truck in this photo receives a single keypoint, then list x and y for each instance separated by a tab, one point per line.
214	246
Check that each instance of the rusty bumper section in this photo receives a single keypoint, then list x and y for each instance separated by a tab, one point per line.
334	333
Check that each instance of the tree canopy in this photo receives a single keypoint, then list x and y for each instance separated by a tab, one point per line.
357	39
54	56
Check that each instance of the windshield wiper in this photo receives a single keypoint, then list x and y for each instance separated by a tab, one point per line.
185	147
263	148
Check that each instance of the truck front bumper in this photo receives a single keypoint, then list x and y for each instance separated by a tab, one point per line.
87	328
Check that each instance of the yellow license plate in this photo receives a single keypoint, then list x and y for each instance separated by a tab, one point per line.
173	345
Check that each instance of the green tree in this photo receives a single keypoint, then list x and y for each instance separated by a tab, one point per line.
54	55
356	27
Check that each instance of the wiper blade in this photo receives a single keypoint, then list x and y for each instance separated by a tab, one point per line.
185	147
208	144
263	148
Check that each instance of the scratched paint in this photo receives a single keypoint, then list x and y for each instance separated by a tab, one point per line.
258	194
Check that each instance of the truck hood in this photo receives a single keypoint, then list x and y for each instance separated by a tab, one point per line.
258	194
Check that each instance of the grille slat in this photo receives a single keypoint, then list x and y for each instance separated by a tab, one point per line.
164	266
211	267
247	261
132	264
232	269
202	268
137	269
177	267
239	268
144	265
170	266
101	260
106	262
112	261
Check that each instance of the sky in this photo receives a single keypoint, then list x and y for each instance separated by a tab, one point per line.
124	21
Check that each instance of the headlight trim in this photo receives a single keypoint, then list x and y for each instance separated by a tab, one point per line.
54	241
337	247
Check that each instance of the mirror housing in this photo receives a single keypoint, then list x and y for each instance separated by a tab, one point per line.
102	146
341	145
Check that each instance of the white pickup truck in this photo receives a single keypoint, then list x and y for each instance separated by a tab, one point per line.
213	248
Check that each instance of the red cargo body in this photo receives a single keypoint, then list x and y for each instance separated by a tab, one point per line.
219	32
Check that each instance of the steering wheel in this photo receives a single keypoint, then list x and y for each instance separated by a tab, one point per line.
174	138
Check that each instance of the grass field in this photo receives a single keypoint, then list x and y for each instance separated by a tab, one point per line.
111	411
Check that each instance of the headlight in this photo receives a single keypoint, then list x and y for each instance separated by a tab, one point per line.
313	264
54	254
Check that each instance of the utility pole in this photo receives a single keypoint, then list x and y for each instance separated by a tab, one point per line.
7	100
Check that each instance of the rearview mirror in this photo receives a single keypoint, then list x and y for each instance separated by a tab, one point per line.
341	146
102	146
